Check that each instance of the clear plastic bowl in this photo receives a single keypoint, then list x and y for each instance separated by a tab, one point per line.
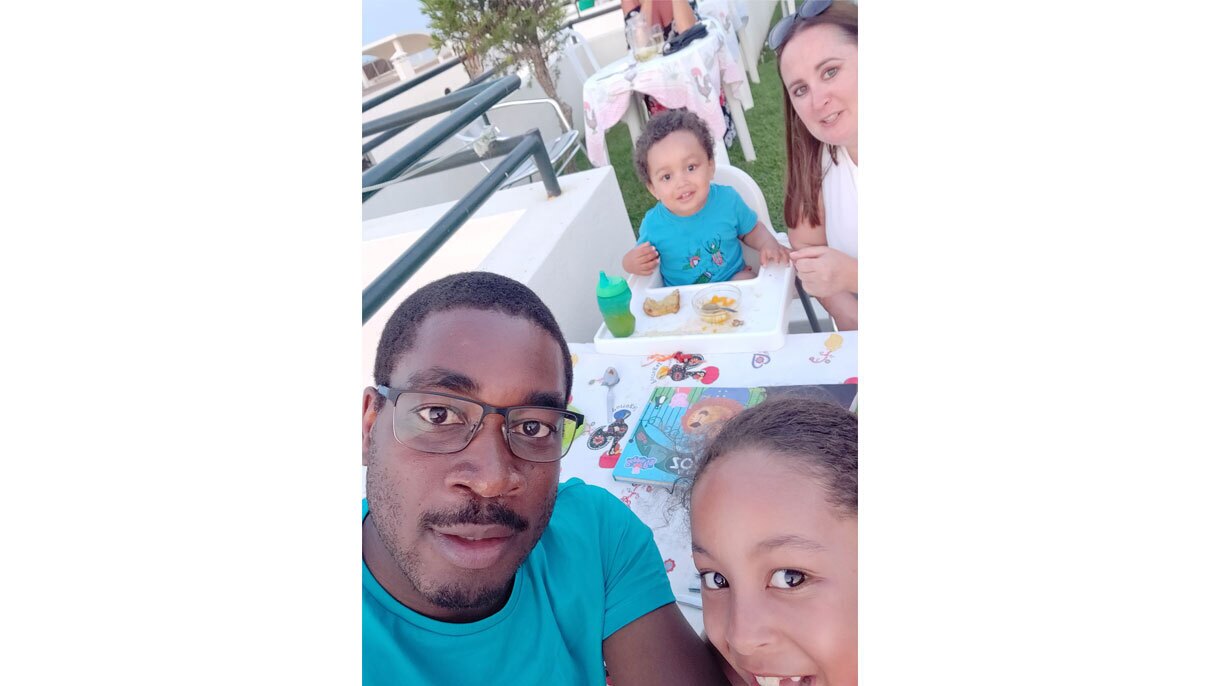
717	304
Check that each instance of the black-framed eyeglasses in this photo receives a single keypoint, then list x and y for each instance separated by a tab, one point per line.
441	423
809	8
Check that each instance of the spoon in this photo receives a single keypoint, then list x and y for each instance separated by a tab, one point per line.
609	379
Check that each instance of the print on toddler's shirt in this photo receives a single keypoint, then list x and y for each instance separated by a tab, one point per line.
713	247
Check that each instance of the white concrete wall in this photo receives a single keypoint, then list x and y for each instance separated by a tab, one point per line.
555	246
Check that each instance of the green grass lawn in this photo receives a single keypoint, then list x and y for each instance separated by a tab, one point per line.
766	122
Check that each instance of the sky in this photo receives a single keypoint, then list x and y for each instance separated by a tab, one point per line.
381	18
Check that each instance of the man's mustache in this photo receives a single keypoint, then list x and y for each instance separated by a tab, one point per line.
474	513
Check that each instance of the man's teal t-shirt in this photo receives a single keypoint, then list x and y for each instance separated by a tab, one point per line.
704	247
595	569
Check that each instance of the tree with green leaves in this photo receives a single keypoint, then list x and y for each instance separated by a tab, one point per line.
522	31
461	24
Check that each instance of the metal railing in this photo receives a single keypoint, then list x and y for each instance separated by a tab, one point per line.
466	106
390	133
470	108
491	71
393	124
492	147
388	282
408	85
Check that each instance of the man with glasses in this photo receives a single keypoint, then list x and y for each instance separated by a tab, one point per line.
479	567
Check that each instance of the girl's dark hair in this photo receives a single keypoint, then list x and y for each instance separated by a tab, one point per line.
803	194
815	436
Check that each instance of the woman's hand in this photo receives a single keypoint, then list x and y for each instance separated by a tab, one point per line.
642	260
825	271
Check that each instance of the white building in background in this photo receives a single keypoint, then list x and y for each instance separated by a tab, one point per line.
407	54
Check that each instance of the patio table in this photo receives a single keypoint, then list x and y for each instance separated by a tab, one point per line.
690	78
805	359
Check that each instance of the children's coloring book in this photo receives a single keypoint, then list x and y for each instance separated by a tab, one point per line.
677	421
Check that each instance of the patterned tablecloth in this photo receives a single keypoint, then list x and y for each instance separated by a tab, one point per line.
805	359
690	78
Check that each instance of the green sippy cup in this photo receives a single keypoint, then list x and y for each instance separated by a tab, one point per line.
614	300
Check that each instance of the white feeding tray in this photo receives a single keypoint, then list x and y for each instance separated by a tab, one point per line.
759	324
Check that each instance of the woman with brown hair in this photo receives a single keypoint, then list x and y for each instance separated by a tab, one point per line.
816	51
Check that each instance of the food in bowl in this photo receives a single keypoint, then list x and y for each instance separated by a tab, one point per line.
718	304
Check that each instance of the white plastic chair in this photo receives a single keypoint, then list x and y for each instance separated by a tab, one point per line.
575	47
574	63
747	188
561	150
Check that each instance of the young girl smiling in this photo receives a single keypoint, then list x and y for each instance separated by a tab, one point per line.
773	529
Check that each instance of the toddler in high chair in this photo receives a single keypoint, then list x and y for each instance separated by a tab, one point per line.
695	231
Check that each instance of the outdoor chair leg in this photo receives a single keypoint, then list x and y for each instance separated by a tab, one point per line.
805	303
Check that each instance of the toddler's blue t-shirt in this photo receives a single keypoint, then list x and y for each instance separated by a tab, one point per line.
704	247
595	570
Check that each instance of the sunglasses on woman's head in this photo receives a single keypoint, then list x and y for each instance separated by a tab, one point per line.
809	8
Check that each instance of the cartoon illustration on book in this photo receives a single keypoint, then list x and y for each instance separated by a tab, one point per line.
676	422
662	446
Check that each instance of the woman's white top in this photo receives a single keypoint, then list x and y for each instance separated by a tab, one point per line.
839	199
